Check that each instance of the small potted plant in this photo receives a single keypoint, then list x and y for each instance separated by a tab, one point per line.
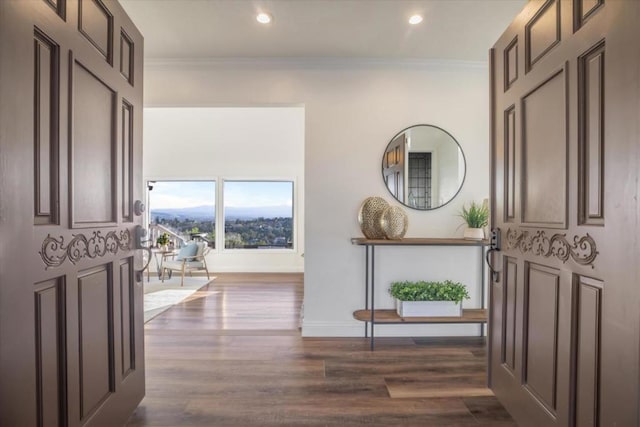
476	218
424	299
163	242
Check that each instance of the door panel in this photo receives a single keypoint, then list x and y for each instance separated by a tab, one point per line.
544	137
584	9
565	328
589	314
542	32
127	317
92	148
71	320
46	116
510	314
511	64
95	322
540	364
127	161
591	138
95	22
49	311
126	56
510	163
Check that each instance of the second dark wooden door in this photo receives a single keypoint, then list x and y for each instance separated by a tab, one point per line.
564	309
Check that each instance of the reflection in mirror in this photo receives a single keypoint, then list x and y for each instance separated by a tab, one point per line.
423	167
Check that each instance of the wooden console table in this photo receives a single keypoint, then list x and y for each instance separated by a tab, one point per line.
371	316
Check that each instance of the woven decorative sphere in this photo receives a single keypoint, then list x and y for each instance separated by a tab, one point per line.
369	217
394	222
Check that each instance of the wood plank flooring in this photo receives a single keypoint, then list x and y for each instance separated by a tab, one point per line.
232	355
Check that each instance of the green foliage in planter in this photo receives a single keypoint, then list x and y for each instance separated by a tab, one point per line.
163	239
477	216
429	291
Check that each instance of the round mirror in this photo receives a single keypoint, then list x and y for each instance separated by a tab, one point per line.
423	167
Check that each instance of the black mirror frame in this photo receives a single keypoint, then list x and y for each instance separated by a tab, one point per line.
464	160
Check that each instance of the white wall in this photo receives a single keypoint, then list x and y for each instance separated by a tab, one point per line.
232	143
352	111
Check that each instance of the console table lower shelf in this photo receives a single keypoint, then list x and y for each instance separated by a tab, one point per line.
469	315
390	317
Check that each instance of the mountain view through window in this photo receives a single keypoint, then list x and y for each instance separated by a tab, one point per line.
257	214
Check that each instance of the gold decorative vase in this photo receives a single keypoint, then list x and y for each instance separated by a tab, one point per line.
369	217
394	222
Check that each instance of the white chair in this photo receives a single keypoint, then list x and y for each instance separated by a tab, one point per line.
190	258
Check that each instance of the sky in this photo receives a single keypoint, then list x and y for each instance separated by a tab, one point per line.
184	194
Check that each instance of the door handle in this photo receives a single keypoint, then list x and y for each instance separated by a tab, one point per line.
494	246
139	235
496	237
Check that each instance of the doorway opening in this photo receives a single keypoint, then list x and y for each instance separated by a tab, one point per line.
232	177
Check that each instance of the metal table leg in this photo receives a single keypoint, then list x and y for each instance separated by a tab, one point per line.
373	306
482	286
366	288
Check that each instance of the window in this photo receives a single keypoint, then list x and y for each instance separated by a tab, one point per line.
184	209
258	214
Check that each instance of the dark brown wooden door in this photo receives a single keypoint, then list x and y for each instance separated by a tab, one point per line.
71	331
393	164
565	308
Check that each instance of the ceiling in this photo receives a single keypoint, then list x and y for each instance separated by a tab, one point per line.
213	29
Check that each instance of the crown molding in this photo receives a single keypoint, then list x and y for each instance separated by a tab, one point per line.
317	62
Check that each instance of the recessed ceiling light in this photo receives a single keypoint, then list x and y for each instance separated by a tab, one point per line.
263	18
415	19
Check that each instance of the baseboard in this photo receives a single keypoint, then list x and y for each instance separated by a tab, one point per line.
250	270
332	329
258	269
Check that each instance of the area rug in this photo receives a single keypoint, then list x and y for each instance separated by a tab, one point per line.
159	297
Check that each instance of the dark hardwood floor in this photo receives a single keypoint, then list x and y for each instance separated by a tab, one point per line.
232	355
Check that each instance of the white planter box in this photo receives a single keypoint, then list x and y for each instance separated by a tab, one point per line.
428	308
474	233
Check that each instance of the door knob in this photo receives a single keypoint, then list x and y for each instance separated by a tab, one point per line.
138	207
